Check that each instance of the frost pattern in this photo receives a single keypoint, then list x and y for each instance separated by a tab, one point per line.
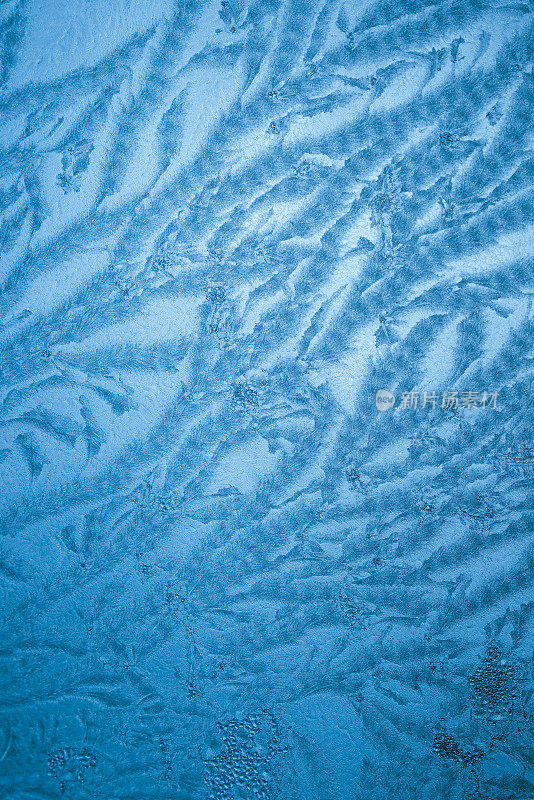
224	572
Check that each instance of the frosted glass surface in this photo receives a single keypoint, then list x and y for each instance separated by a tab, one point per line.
266	409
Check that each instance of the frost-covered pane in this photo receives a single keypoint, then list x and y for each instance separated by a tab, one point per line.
266	400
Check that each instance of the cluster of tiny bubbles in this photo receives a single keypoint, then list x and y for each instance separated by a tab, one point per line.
247	765
493	684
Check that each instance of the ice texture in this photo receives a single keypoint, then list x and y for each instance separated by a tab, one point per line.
225	572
